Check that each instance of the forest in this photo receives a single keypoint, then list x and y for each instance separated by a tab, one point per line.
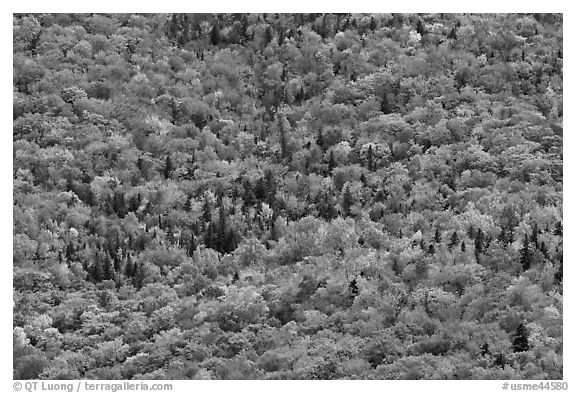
287	196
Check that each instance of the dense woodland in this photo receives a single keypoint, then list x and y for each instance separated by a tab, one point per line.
287	196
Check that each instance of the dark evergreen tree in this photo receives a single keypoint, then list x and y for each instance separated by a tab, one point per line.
331	161
221	232
385	104
454	240
270	184
370	159
260	189
215	34
107	267
320	140
347	201
188	204
267	36
373	24
206	211
230	242
437	238
559	275
558	230
534	236
300	95
544	250
526	254
209	236
70	253
420	29
500	360
139	276
520	339
283	137
249	197
168	167
191	245
173	26
452	34
117	262
129	268
97	272
479	242
353	285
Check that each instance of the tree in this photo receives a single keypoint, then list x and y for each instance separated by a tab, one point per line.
267	36
248	197
420	29
526	254
558	229
437	238
454	240
353	285
206	211
520	339
534	236
191	245
347	200
500	360
168	167
370	159
130	267
97	271
331	161
479	243
282	130
215	34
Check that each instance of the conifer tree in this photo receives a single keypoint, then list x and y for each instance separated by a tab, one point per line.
500	360
331	161
206	211
437	238
353	287
370	159
129	268
215	34
420	29
479	243
526	254
107	267
191	245
520	339
559	275
249	197
96	270
454	240
558	230
534	236
168	167
347	201
267	36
